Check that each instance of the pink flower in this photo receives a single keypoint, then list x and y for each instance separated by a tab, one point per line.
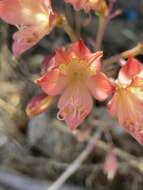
87	5
127	102
75	71
33	19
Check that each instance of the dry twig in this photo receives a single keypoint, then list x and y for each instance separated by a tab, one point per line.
129	158
77	163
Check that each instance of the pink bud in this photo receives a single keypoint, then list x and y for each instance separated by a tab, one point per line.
38	104
110	165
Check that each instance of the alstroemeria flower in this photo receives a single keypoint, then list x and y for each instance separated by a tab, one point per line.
87	5
75	72
34	20
127	102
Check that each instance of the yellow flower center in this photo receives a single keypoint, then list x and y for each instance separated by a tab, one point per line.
137	91
77	70
127	94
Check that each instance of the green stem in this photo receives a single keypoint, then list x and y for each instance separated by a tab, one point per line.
64	24
68	29
100	31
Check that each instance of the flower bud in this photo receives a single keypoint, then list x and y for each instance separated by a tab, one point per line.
38	104
110	165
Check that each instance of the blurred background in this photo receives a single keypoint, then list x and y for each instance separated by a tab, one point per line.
34	152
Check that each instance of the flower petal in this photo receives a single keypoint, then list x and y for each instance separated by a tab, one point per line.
128	107
48	63
79	49
113	105
52	83
40	6
78	52
137	83
34	20
77	4
74	106
10	12
137	134
87	5
47	3
100	86
25	12
94	60
129	70
18	12
61	57
27	38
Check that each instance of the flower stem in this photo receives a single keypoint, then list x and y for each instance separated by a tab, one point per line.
63	23
68	29
131	160
77	23
137	50
103	20
100	31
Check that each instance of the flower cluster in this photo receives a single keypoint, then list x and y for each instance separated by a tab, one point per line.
75	73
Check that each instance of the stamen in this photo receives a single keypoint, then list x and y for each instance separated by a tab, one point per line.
63	68
60	117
